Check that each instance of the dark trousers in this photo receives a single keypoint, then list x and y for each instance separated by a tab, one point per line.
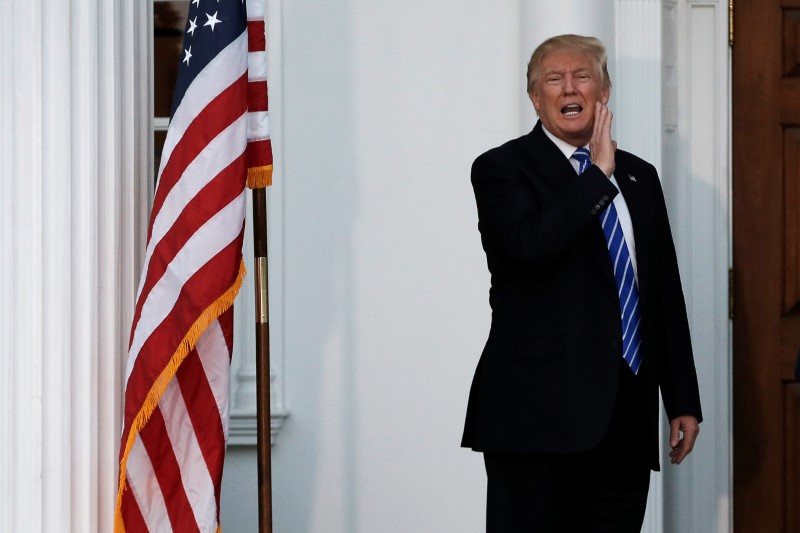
603	490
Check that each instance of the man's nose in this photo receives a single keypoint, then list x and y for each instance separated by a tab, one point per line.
569	87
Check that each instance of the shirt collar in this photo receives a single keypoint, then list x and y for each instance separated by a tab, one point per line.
566	148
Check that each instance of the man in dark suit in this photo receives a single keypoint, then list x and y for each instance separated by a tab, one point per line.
588	314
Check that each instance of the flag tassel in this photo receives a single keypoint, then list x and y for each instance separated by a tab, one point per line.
258	177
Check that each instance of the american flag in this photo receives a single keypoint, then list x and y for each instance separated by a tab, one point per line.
176	394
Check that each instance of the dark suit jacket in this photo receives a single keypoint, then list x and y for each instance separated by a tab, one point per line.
548	376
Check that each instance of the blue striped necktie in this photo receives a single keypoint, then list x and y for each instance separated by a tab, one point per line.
623	274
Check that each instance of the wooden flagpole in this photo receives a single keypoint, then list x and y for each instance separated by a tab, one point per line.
264	444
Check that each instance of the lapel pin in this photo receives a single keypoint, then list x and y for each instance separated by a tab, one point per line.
632	177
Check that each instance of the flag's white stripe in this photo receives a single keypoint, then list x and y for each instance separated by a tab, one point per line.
144	485
220	152
214	356
257	125
255	9
259	65
196	480
228	66
207	241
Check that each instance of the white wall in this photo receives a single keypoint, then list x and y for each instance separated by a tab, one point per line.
384	291
385	107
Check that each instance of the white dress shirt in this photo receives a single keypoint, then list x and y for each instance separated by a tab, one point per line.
619	200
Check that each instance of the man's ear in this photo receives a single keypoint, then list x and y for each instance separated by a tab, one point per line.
604	96
535	100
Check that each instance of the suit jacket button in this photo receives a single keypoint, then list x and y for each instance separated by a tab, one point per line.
601	202
594	211
605	197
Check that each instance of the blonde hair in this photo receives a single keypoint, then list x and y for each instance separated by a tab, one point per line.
590	46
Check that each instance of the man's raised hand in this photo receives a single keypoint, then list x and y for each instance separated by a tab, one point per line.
601	145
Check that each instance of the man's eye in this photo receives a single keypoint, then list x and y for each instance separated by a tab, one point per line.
553	80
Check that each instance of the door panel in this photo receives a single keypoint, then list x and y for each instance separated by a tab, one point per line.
766	255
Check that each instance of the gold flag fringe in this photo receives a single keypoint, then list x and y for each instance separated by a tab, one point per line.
211	313
259	177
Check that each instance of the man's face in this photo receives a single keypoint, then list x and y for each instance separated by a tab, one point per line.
565	94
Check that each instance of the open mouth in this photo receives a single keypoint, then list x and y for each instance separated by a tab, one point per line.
571	110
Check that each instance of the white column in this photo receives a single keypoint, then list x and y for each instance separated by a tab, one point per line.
636	94
72	176
696	184
541	19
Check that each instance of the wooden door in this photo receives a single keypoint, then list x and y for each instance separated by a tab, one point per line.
766	257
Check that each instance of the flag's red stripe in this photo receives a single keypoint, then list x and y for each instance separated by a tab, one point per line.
256	37
131	514
204	414
217	194
201	290
257	99
220	113
226	323
168	473
259	153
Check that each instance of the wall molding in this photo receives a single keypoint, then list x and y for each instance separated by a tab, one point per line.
242	428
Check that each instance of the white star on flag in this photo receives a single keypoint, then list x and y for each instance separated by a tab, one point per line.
192	26
212	20
188	56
